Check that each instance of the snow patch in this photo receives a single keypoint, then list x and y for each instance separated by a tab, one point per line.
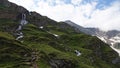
117	50
115	39
112	42
41	27
55	35
77	53
102	38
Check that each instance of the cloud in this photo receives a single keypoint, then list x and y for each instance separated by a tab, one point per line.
28	4
106	19
83	12
76	2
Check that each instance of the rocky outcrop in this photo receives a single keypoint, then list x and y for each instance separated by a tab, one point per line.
60	63
4	2
39	20
7	15
12	6
11	10
14	12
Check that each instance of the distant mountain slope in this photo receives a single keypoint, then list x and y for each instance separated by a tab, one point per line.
29	40
111	37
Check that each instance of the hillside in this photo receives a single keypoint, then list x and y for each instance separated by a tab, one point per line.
29	40
111	37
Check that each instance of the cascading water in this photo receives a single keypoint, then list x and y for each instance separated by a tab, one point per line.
22	23
19	28
20	35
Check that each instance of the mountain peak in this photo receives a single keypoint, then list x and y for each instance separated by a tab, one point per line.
68	21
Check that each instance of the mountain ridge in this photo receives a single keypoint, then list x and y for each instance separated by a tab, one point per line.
110	37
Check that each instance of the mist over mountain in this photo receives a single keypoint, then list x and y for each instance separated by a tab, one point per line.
30	40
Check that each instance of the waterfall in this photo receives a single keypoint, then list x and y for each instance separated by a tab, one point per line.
20	35
23	16
19	28
22	23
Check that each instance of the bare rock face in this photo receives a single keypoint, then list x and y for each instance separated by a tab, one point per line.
5	2
7	15
40	20
60	63
13	12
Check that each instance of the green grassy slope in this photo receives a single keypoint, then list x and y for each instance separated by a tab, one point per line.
94	53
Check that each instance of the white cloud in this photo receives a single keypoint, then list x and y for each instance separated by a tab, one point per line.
76	2
29	4
86	15
106	19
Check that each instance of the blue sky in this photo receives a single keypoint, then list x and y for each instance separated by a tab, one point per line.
103	14
100	3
